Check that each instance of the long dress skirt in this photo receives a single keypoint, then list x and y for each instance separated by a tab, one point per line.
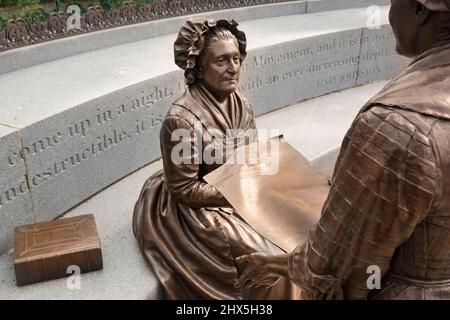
192	250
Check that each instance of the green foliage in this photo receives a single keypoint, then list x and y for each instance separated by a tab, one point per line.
34	4
142	2
31	11
34	15
37	10
114	4
2	23
110	4
106	4
6	3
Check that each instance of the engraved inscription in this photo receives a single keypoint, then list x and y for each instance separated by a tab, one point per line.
84	134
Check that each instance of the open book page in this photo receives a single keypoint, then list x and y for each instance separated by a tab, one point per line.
280	194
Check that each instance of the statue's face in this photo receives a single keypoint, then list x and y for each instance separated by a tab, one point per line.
402	19
221	67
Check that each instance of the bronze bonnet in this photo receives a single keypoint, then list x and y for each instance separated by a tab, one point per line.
191	38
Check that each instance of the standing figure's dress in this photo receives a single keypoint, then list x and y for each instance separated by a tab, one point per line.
388	210
185	227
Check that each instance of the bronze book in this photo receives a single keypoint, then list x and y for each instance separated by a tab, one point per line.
44	251
280	195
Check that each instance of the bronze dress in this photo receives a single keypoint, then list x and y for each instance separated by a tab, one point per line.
184	226
389	203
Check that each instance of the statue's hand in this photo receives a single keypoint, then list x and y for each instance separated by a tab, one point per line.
259	269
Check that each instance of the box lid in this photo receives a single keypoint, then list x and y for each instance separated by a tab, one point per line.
55	237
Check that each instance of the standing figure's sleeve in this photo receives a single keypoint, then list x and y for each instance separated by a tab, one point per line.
385	184
180	149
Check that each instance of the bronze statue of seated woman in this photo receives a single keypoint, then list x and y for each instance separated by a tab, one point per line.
186	229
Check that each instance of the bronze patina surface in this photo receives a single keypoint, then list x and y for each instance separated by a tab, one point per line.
185	227
388	211
281	204
44	251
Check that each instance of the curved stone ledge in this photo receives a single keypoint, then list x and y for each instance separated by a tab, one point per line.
28	56
79	124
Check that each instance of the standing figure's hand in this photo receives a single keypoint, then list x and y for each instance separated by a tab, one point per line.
259	269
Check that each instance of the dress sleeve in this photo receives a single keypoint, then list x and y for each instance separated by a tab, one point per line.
181	166
385	184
